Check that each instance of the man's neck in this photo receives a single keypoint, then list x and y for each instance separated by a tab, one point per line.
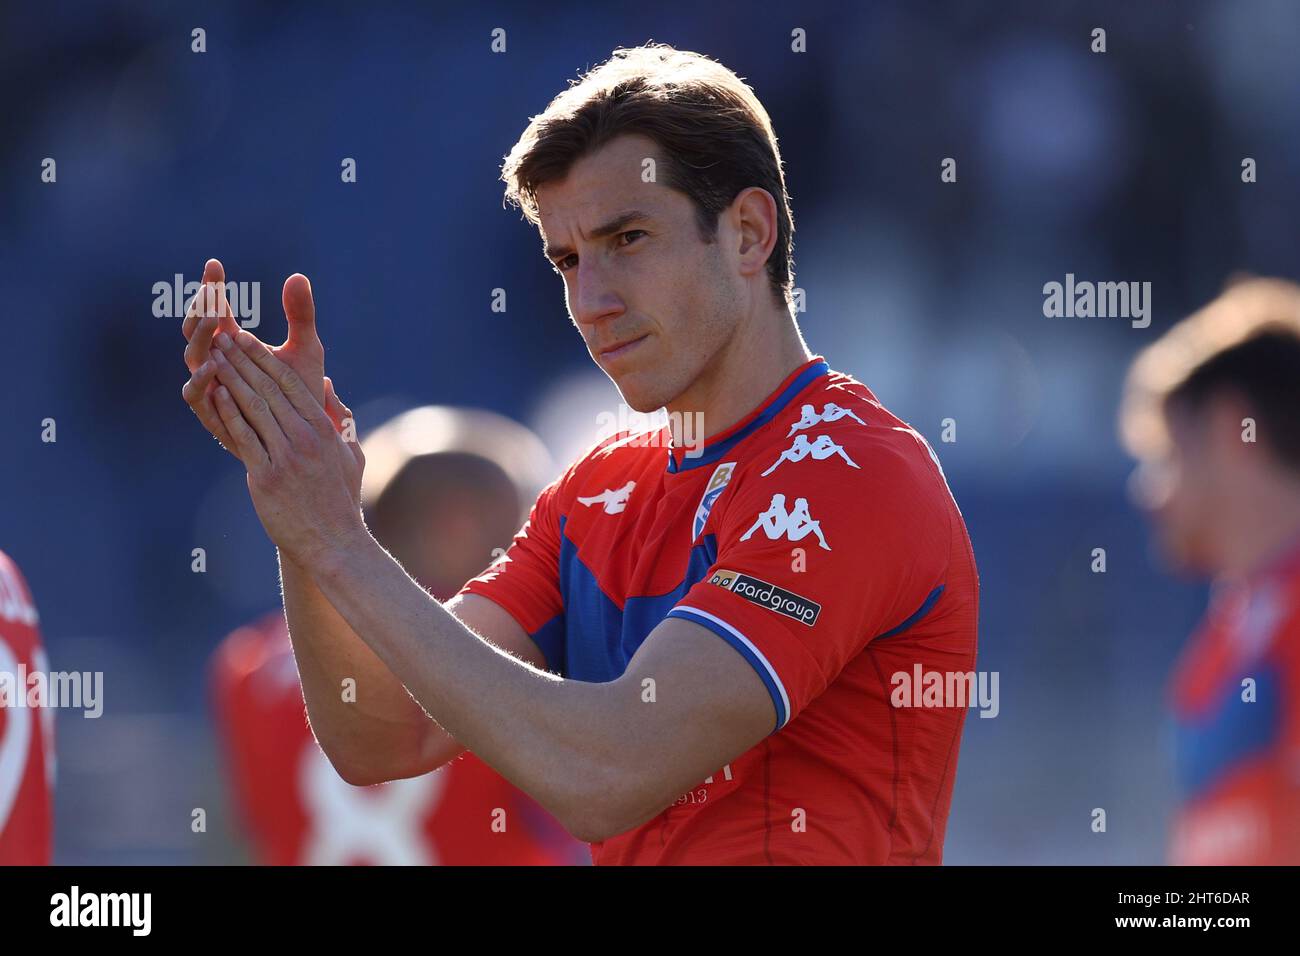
747	370
1267	524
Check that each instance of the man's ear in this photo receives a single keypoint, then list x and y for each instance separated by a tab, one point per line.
753	213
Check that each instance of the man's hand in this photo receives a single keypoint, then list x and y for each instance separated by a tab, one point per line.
304	477
388	735
210	312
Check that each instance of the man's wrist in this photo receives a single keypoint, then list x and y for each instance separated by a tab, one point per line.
339	555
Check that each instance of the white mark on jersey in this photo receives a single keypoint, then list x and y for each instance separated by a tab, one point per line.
614	500
15	741
796	524
820	449
830	413
717	484
726	774
379	825
14	606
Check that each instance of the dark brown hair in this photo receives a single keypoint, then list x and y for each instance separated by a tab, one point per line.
715	135
1247	343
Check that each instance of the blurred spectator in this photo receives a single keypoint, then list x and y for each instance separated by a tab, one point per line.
1211	412
443	488
26	732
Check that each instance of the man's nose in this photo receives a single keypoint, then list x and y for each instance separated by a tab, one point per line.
594	295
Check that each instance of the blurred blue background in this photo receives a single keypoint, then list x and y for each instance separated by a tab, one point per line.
1117	166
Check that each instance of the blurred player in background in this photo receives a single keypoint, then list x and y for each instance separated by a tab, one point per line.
26	733
1212	411
445	488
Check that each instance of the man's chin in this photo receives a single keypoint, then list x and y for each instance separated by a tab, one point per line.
643	406
638	395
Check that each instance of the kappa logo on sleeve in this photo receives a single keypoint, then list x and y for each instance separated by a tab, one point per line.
821	449
795	524
768	595
809	416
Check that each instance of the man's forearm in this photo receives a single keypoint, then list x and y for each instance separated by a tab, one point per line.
378	732
558	740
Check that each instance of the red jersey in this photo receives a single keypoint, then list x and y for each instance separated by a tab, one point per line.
1235	697
298	810
26	732
818	538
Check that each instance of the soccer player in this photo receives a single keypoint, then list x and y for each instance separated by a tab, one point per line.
26	733
1210	411
430	469
688	652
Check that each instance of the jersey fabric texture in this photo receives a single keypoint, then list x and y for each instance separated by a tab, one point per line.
297	810
1235	699
818	538
26	732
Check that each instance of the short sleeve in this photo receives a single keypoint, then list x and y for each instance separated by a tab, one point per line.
819	557
525	581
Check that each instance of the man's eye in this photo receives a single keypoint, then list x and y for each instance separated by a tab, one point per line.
561	266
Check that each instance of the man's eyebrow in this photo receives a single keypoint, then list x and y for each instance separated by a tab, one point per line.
617	224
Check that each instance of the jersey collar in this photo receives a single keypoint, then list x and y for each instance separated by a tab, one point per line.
717	446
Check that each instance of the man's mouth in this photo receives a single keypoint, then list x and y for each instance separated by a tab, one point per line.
623	348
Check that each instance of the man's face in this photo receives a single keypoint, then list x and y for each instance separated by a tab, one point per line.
1183	490
654	302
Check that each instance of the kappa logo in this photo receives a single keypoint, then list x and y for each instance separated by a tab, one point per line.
614	500
830	413
820	449
717	484
795	524
768	595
